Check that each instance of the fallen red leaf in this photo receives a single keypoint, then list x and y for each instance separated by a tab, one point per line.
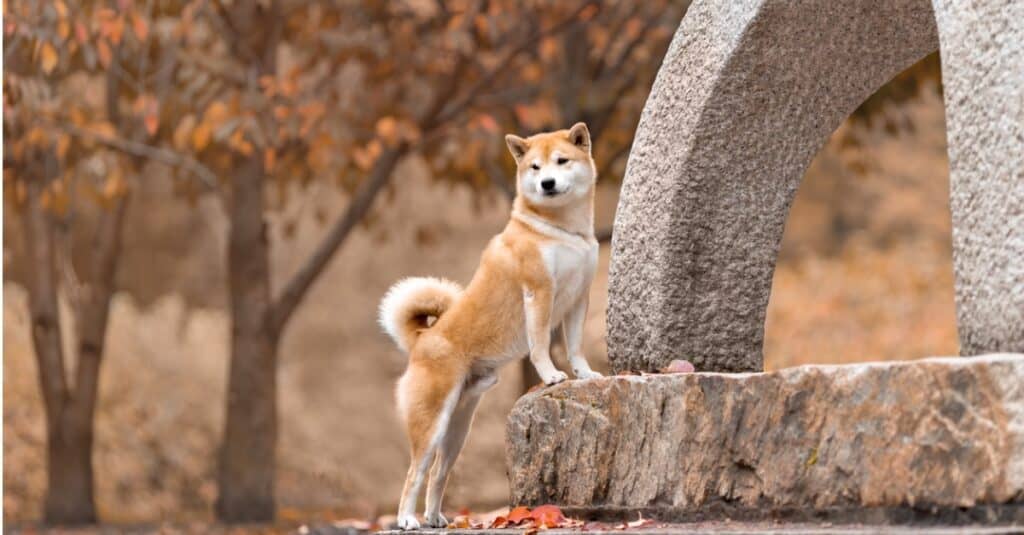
499	522
518	514
548	516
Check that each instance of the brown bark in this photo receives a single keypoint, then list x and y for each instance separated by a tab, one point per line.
247	456
69	497
69	419
247	463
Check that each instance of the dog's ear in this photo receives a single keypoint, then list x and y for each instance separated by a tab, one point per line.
517	146
579	135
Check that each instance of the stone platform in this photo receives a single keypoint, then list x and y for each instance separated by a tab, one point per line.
721	528
939	439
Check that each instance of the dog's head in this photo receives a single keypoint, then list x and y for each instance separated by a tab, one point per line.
554	169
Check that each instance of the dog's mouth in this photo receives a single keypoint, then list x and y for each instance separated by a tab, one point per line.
552	193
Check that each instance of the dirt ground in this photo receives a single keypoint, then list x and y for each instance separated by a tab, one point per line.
865	274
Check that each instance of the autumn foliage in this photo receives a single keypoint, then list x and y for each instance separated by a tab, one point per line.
245	101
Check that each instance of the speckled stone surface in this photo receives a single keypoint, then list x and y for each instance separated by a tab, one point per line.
748	93
931	435
983	76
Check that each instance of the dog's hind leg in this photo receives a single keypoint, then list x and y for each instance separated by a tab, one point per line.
448	451
427	421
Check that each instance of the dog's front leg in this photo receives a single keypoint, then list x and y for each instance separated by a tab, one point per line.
538	302
572	328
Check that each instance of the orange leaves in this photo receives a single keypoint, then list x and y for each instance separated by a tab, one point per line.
201	136
114	187
104	52
464	522
548	516
55	198
588	12
183	132
81	33
518	515
269	160
111	25
147	107
540	518
140	26
393	131
487	122
216	113
48	57
387	129
366	156
238	142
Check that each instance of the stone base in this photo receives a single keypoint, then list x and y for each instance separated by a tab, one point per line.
913	438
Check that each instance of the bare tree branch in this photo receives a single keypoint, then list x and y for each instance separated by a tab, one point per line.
43	304
361	203
459	104
92	324
165	156
628	50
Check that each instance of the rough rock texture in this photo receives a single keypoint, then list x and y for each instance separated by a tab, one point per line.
936	433
983	75
747	94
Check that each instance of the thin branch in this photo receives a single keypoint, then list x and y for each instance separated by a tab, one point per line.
206	63
458	105
46	335
92	324
361	203
606	50
628	50
174	159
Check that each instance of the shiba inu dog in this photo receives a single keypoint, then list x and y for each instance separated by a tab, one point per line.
533	277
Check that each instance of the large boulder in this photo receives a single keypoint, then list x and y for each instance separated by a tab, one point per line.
945	433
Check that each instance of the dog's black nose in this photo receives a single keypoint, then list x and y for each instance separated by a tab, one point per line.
547	184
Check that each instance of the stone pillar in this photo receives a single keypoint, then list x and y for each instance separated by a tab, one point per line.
983	75
748	93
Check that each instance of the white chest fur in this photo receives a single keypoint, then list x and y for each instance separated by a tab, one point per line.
571	265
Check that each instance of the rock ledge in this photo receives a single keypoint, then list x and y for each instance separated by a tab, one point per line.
928	435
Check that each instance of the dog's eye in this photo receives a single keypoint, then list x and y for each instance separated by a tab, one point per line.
562	161
535	167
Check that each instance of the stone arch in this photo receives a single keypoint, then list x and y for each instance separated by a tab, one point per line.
748	92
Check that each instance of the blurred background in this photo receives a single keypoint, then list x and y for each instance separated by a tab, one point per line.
212	189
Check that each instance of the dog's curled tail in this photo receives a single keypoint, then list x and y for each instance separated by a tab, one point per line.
408	305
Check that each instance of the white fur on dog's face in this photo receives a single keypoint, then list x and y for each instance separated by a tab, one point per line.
573	178
554	169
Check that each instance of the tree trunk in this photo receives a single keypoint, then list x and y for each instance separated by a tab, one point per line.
247	456
69	492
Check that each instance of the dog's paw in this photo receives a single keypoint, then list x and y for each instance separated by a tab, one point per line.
436	520
407	522
587	374
555	378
